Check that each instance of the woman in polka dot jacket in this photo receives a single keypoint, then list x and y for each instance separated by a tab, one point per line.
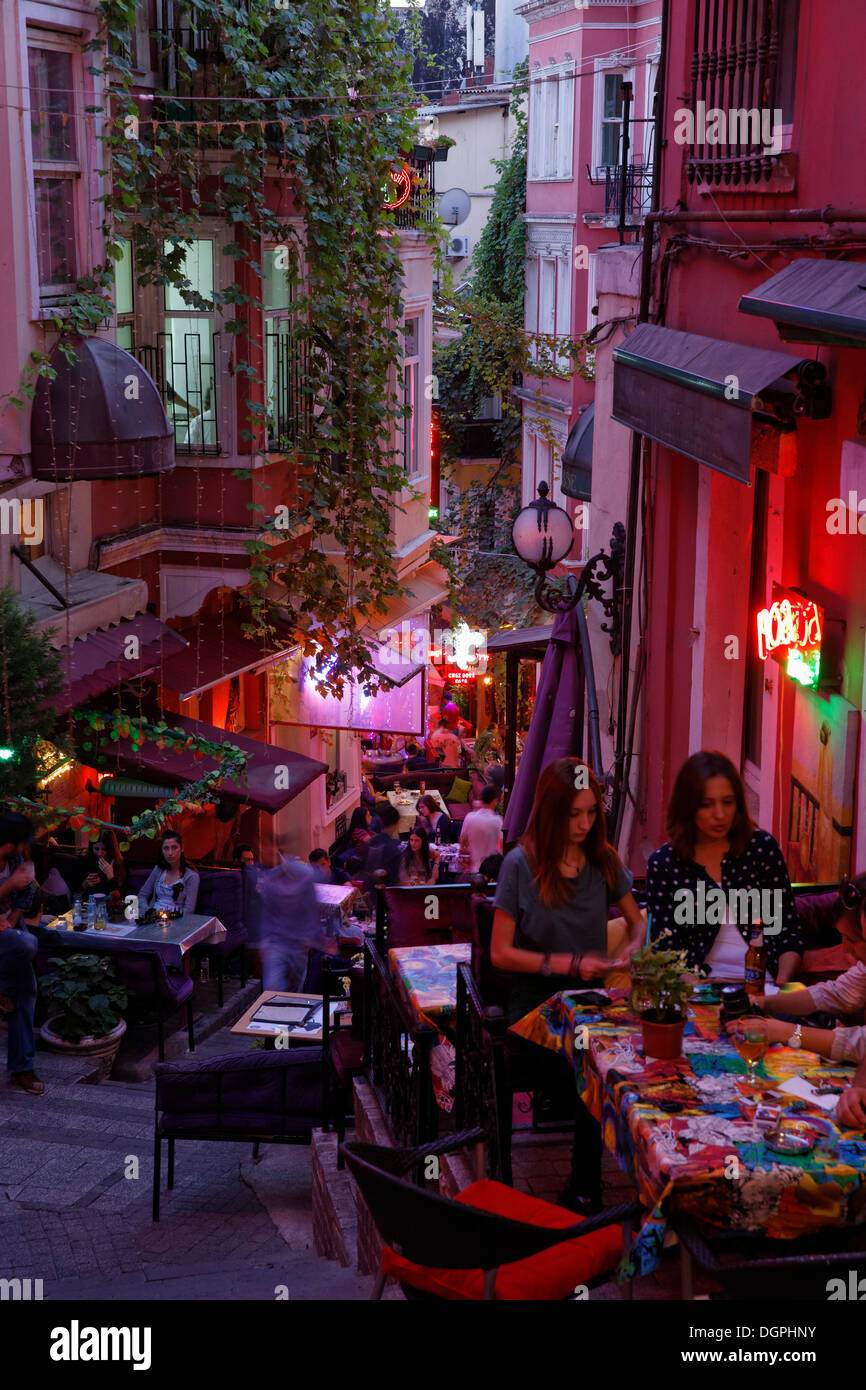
714	843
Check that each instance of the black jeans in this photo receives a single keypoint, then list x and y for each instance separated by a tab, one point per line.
535	1068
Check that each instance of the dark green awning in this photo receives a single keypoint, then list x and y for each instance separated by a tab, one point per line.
814	302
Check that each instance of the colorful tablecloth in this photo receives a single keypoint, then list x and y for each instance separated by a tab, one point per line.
426	977
679	1130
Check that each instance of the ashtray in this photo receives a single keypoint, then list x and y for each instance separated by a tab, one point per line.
791	1137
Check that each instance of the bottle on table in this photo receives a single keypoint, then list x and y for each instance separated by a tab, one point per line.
77	912
756	961
438	837
91	913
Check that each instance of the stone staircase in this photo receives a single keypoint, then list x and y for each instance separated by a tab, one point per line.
75	1193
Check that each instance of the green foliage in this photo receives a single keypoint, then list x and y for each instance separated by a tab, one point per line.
83	997
660	984
29	676
490	356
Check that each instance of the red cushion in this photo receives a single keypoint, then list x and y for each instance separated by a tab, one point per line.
347	1054
826	963
552	1274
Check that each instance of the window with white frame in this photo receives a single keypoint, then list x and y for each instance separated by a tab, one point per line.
124	296
285	358
190	346
611	119
551	121
548	297
412	394
53	68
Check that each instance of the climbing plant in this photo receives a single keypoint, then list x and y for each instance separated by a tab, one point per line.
29	678
318	98
490	357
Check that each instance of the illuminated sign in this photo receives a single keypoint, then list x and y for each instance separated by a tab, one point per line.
399	186
791	630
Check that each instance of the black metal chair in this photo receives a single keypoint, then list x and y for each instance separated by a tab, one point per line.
267	1097
429	1237
342	1047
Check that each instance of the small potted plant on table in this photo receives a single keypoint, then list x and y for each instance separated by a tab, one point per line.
85	1008
660	992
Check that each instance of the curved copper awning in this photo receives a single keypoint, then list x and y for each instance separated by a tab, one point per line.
100	417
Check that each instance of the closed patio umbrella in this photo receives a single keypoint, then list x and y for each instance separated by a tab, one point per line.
556	726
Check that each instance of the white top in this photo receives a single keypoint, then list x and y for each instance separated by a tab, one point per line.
844	995
728	954
480	836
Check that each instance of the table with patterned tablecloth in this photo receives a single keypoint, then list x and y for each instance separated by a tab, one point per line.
426	978
678	1128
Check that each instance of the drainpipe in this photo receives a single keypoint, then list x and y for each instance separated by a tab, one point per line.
622	759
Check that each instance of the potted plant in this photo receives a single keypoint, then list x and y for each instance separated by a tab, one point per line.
440	150
660	992
85	1008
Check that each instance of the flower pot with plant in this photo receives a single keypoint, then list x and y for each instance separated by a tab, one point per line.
660	993
85	1008
440	150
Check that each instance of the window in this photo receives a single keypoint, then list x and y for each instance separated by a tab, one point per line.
339	779
548	299
189	345
611	119
124	297
287	406
56	167
758	119
411	395
551	122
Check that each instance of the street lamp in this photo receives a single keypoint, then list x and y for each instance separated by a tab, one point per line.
543	535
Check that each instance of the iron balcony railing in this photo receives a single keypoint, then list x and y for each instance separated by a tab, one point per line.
420	207
289	406
184	367
638	189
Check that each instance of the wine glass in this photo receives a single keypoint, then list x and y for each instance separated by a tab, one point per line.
750	1040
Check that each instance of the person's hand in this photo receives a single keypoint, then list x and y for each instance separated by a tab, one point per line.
91	881
851	1110
22	876
593	965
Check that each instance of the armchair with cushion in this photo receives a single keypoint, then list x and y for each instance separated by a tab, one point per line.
490	1242
405	916
267	1097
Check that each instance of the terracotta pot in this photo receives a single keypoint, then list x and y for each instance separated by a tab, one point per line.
663	1041
103	1050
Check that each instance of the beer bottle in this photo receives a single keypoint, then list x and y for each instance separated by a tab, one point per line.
756	961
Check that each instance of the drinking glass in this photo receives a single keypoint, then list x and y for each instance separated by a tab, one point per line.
750	1040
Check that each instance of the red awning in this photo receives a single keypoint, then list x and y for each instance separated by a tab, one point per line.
100	661
274	776
216	650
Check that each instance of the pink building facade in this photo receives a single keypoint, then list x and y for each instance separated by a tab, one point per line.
579	58
753	475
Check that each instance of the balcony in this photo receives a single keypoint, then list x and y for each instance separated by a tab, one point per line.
638	189
421	203
289	407
183	366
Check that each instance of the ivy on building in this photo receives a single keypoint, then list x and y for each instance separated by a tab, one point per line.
487	355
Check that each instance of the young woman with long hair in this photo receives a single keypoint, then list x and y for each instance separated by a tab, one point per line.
713	842
554	891
105	871
172	883
419	863
550	932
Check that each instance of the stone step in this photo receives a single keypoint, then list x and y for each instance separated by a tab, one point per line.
301	1275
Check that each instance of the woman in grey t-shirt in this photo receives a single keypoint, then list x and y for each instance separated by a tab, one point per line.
550	931
554	889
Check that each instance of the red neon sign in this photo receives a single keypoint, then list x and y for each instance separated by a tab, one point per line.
791	623
396	196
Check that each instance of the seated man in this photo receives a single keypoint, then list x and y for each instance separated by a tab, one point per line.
327	872
244	854
17	950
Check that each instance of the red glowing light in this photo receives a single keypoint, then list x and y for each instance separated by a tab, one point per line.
791	623
402	186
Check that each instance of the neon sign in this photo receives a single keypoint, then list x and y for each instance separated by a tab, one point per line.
791	630
396	191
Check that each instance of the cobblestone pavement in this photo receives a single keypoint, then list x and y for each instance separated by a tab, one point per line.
75	1202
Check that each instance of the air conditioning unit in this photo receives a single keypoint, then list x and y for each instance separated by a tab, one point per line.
458	246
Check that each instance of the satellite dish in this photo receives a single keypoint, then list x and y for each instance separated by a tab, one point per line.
454	207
